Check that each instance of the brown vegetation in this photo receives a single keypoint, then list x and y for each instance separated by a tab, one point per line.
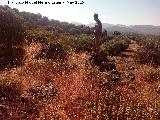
55	76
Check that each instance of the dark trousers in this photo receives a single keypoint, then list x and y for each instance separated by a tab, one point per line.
96	44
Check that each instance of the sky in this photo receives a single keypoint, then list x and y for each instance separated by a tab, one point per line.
126	12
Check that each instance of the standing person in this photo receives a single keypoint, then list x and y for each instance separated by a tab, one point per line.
98	34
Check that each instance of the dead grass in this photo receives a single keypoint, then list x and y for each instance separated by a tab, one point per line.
82	92
150	74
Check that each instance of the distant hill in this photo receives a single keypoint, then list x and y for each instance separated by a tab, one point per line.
31	21
147	29
144	29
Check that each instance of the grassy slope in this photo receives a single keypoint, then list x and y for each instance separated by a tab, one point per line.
83	92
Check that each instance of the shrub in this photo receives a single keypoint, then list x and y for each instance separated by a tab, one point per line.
116	33
10	57
10	89
150	43
40	35
54	51
150	74
115	46
102	62
77	43
150	52
11	29
148	56
11	38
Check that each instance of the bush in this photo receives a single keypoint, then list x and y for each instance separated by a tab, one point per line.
11	29
10	89
40	35
150	43
54	51
77	43
11	57
150	74
102	62
115	46
11	38
150	52
148	56
116	33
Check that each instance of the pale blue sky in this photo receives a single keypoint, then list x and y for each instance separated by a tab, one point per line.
127	12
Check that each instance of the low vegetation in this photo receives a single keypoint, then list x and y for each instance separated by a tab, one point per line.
150	52
48	71
151	74
116	45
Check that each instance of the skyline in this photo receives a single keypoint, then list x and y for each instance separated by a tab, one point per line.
125	12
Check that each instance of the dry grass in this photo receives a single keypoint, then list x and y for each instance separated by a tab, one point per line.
148	56
73	90
69	78
150	74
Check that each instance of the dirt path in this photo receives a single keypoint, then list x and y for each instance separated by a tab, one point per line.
126	64
131	85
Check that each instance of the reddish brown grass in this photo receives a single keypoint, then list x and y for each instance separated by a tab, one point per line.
83	93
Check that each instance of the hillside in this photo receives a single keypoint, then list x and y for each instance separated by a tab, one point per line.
53	74
31	20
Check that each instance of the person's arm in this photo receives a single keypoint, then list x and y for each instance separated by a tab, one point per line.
96	30
99	26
